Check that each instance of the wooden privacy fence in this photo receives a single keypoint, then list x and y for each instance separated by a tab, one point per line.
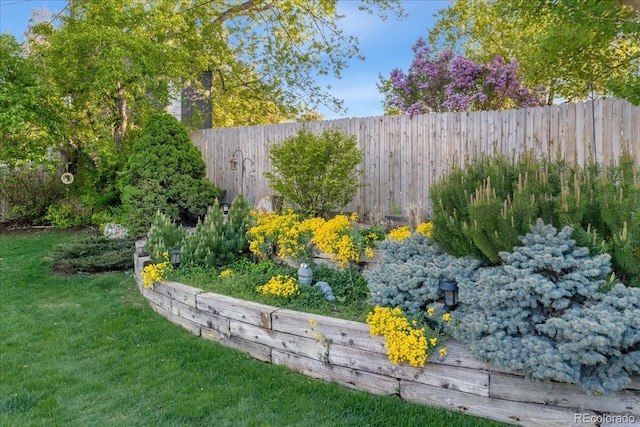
404	156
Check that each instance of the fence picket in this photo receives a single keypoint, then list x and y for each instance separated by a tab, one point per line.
403	155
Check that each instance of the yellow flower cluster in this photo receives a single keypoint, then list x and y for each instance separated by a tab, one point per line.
369	252
281	285
270	230
399	233
283	233
404	232
289	237
153	273
425	228
225	273
332	237
447	318
404	341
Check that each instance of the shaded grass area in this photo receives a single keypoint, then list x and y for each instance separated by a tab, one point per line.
88	350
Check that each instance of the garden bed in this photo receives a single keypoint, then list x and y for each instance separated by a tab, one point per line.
343	352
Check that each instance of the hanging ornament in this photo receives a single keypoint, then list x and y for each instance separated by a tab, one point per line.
66	178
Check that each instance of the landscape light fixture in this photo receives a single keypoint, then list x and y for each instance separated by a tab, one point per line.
450	290
175	257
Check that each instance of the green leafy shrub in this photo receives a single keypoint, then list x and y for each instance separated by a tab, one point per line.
482	209
218	239
410	271
542	313
28	192
164	235
164	172
66	213
317	173
93	254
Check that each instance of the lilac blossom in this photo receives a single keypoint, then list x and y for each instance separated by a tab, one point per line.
451	82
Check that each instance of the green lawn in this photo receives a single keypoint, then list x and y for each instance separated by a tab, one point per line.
87	350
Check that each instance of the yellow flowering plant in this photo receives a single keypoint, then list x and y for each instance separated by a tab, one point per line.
404	232
225	273
157	272
344	240
405	341
399	233
282	234
425	228
288	236
432	316
281	285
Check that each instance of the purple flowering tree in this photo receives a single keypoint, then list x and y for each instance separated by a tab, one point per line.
451	82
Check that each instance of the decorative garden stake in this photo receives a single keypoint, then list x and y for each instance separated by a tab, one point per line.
233	165
450	290
175	257
305	275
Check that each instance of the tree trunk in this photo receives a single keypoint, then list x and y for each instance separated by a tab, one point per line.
124	118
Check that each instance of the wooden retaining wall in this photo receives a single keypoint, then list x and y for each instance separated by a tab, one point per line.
343	352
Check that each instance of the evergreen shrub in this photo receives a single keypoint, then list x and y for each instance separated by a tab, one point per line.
316	173
92	254
482	209
543	312
164	172
410	271
219	239
164	236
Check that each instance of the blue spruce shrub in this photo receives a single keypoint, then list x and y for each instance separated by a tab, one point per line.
410	271
542	312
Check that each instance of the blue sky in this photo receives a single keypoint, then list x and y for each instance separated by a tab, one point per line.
385	45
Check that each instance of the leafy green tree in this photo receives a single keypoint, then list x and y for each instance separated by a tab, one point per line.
574	48
114	57
316	172
114	62
29	111
165	172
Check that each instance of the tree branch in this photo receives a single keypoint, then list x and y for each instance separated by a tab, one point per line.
247	8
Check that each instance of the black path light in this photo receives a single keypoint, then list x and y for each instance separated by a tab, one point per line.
450	290
174	254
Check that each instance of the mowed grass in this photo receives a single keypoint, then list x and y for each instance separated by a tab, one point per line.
87	350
